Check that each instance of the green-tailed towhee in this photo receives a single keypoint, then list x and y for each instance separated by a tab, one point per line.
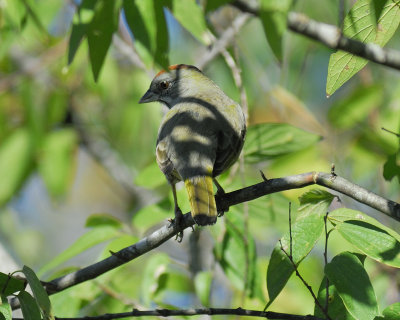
200	136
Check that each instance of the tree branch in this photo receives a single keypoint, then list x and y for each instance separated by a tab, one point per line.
195	312
166	232
332	37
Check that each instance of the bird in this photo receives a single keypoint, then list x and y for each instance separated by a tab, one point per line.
200	136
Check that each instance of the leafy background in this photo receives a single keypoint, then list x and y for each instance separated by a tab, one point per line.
77	167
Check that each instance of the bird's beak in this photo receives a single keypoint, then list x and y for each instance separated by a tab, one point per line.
149	96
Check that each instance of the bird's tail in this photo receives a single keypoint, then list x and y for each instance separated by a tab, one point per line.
202	201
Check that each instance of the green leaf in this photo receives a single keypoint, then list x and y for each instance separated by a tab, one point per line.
83	16
202	283
5	310
147	22
141	21
56	163
372	241
190	16
211	5
273	15
100	32
86	241
392	312
39	292
305	233
269	140
150	177
155	267
29	307
162	39
313	199
16	155
10	285
78	33
391	168
343	214
367	21
348	275
235	258
148	216
102	219
353	109
336	308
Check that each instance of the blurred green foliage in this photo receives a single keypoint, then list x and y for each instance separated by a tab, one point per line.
71	73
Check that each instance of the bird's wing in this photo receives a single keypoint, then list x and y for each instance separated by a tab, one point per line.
188	138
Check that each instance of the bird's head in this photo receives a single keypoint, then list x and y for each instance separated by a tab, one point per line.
170	86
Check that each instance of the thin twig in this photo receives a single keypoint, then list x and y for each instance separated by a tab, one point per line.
326	262
290	231
224	40
290	257
195	312
392	132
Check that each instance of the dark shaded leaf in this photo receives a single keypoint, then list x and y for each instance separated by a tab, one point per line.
336	308
12	284
100	32
391	168
39	292
29	307
353	285
78	33
273	15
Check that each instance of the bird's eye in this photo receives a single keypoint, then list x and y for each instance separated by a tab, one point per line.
164	85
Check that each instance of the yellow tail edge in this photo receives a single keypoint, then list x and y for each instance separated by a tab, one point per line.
201	199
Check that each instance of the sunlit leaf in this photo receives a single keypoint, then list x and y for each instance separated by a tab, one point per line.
56	162
367	21
336	308
369	237
269	140
102	219
146	20
343	214
16	156
154	269
150	215
191	17
392	312
305	233
202	282
150	177
5	310
353	285
238	259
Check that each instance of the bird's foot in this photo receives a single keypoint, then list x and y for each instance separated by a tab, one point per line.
177	223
